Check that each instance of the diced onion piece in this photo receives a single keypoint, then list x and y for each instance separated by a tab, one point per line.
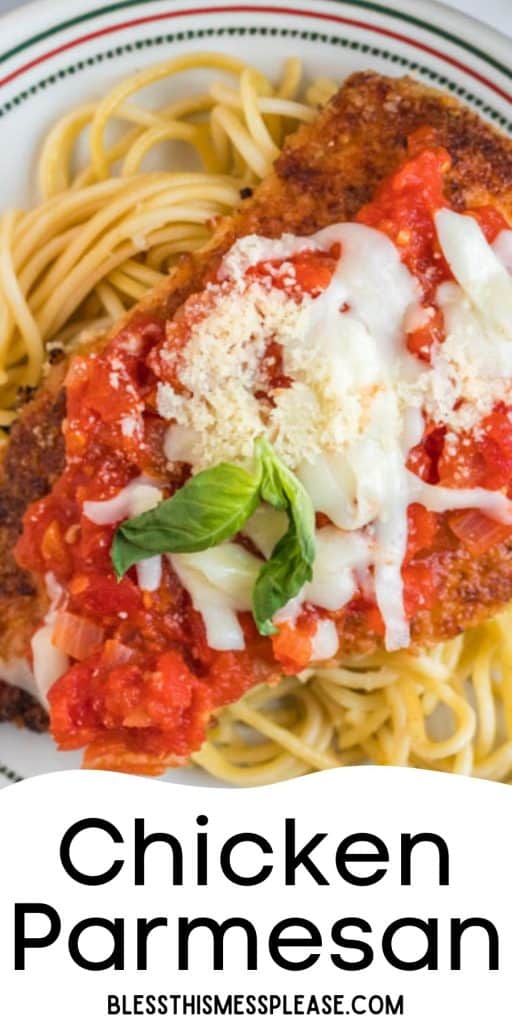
54	590
116	653
330	483
76	636
477	532
373	278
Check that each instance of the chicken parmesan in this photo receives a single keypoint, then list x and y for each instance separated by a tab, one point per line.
299	448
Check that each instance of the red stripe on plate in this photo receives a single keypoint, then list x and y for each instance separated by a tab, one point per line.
251	9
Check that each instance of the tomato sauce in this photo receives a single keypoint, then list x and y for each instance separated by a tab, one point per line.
142	696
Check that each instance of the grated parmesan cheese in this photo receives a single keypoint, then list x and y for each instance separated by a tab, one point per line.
222	372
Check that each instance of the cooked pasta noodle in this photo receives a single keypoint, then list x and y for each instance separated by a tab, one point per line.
107	230
448	709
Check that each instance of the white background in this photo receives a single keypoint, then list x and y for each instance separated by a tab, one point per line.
495	12
472	816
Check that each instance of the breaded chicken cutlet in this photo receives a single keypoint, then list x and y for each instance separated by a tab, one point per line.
325	174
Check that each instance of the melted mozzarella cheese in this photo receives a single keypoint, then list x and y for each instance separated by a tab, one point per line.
371	278
338	556
137	497
220	582
325	641
49	663
443	499
330	483
149	573
476	267
503	249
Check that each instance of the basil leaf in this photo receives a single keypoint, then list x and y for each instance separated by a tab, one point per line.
273	475
291	563
124	554
210	508
282	489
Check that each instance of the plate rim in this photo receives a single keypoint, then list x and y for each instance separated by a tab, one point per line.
494	79
12	22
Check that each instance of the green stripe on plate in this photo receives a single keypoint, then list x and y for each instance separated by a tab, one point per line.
391	12
191	34
9	774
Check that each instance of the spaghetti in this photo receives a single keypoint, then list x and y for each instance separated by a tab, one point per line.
448	708
106	232
103	234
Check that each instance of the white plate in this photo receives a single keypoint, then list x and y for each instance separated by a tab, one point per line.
57	53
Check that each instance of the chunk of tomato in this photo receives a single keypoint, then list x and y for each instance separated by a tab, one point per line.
421	530
419	587
293	646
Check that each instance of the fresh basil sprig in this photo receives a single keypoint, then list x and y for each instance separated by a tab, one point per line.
212	507
290	565
209	508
